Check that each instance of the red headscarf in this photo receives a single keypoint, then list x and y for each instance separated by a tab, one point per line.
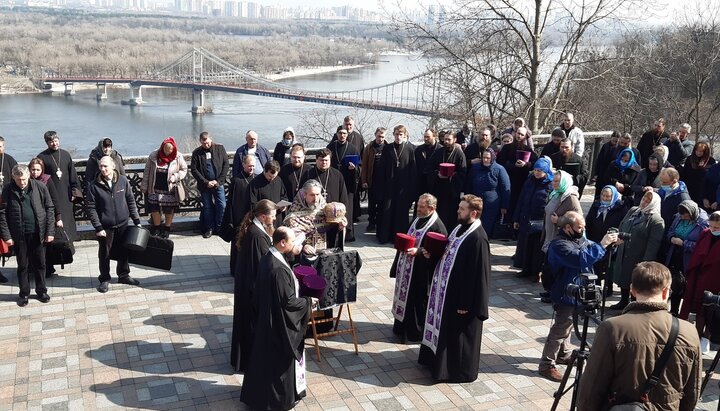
163	159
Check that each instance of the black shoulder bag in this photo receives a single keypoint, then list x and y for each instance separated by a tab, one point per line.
613	402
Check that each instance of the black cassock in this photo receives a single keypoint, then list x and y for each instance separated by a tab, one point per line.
457	357
262	189
334	191
291	177
423	153
237	203
269	382
254	246
7	162
447	190
399	174
351	177
64	184
518	175
411	327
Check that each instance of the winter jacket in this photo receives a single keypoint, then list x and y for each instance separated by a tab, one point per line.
624	354
11	223
111	207
261	153
670	203
701	274
568	201
701	223
711	185
177	170
679	151
567	259
368	163
92	167
646	231
198	165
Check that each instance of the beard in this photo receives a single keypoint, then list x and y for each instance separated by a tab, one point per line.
463	220
568	155
484	144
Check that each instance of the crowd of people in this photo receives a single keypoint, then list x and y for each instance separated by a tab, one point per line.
657	202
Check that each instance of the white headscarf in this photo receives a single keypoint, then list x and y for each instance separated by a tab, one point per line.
653	206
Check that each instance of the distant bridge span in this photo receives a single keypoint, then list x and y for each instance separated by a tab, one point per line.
200	70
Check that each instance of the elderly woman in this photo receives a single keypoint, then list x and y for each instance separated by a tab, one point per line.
489	181
608	211
622	173
702	273
695	169
162	183
645	227
648	179
689	223
528	218
37	172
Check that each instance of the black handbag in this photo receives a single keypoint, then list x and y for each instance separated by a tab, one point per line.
157	254
617	404
61	250
502	230
227	228
536	226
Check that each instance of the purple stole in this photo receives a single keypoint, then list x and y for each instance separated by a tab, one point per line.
405	264
438	289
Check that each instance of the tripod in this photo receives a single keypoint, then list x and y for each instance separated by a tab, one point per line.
609	253
577	360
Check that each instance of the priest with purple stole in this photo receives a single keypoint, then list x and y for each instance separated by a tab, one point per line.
412	272
275	378
458	300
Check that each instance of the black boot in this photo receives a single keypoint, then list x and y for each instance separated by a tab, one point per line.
165	232
624	300
155	230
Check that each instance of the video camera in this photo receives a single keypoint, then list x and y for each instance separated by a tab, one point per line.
710	299
621	235
586	293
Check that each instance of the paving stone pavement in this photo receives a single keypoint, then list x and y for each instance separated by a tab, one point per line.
165	344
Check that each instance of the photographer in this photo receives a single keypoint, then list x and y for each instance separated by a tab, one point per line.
627	347
569	255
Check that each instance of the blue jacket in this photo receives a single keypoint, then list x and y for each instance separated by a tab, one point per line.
533	197
262	154
567	258
670	203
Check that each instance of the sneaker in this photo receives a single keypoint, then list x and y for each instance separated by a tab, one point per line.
551	374
44	298
3	279
23	301
104	286
704	345
207	234
128	280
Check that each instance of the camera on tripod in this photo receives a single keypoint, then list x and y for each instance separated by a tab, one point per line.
587	292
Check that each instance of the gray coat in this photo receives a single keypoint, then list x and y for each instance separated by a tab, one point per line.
646	232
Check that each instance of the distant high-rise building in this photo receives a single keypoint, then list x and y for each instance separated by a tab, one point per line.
231	9
253	10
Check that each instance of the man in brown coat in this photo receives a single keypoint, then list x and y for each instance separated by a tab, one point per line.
371	157
627	347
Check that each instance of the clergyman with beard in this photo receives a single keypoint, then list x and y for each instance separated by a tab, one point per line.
447	189
567	160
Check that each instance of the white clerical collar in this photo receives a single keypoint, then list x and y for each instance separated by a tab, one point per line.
280	257
259	225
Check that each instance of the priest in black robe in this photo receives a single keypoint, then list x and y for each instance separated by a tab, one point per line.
332	182
275	379
238	201
565	159
7	162
254	240
291	173
517	169
423	152
412	272
266	186
339	150
60	167
399	173
454	318
447	189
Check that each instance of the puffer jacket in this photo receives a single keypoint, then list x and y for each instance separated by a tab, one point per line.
624	353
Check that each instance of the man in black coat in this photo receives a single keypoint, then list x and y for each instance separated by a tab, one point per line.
423	152
447	189
292	172
104	148
110	203
7	162
267	186
606	156
209	165
27	222
567	160
650	139
340	149
474	149
553	146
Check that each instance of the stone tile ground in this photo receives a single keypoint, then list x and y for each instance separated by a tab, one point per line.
165	345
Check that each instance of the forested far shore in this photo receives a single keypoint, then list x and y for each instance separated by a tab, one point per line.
76	43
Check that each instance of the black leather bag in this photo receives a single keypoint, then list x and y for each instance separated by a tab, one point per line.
157	254
536	226
61	250
502	230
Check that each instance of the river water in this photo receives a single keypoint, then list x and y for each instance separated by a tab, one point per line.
81	121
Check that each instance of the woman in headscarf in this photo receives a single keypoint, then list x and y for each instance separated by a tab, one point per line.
162	184
563	198
645	229
622	173
689	223
489	181
648	179
608	211
528	218
37	172
702	274
695	169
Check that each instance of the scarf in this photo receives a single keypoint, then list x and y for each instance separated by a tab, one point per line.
545	165
631	163
652	208
162	158
492	159
566	181
602	208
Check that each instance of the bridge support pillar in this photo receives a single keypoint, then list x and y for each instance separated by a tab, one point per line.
198	101
101	91
135	96
69	89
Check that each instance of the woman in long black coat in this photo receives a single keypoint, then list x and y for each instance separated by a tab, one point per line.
608	211
531	207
